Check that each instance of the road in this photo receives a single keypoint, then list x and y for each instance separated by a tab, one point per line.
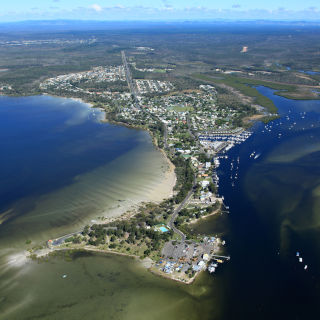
199	146
61	240
178	209
165	136
137	104
130	82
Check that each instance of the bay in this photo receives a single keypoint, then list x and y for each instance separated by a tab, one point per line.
274	212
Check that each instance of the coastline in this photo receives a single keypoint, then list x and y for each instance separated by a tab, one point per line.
193	221
162	190
90	104
146	263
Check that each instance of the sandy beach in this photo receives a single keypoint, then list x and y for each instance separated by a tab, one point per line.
164	189
158	192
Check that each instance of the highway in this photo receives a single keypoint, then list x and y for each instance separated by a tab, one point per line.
178	209
165	136
194	137
130	82
137	104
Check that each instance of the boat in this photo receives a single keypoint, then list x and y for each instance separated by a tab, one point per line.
297	254
211	268
300	259
306	267
257	156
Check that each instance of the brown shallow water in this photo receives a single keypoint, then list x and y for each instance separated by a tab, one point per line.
108	164
100	286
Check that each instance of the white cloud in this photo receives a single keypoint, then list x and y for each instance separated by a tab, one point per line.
96	7
313	9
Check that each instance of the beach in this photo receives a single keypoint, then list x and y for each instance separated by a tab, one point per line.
157	191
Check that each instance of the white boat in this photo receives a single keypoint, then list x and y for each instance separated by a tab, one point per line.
257	156
211	269
297	254
306	267
300	259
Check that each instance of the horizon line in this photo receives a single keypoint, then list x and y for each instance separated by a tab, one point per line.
169	20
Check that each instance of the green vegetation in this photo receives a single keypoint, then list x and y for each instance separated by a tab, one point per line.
184	51
185	176
176	116
160	70
244	85
134	236
182	108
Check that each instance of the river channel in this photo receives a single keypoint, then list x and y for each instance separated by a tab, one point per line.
274	216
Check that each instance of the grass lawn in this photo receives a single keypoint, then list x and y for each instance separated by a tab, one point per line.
181	108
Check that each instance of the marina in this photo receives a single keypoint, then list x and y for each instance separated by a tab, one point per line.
259	202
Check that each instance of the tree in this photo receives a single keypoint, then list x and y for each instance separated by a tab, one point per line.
212	188
85	230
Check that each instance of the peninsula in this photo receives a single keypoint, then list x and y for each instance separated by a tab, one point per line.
193	128
197	101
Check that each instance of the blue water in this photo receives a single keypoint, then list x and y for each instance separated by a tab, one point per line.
311	73
60	164
274	212
56	138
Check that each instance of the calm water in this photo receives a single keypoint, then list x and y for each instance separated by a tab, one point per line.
274	212
61	168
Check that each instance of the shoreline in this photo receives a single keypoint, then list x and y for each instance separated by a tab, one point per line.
168	177
148	265
90	104
162	191
193	221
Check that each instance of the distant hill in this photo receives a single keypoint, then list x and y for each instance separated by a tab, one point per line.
89	25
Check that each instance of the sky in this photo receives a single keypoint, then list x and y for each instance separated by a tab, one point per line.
17	10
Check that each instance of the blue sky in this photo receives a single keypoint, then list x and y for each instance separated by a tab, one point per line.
15	10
